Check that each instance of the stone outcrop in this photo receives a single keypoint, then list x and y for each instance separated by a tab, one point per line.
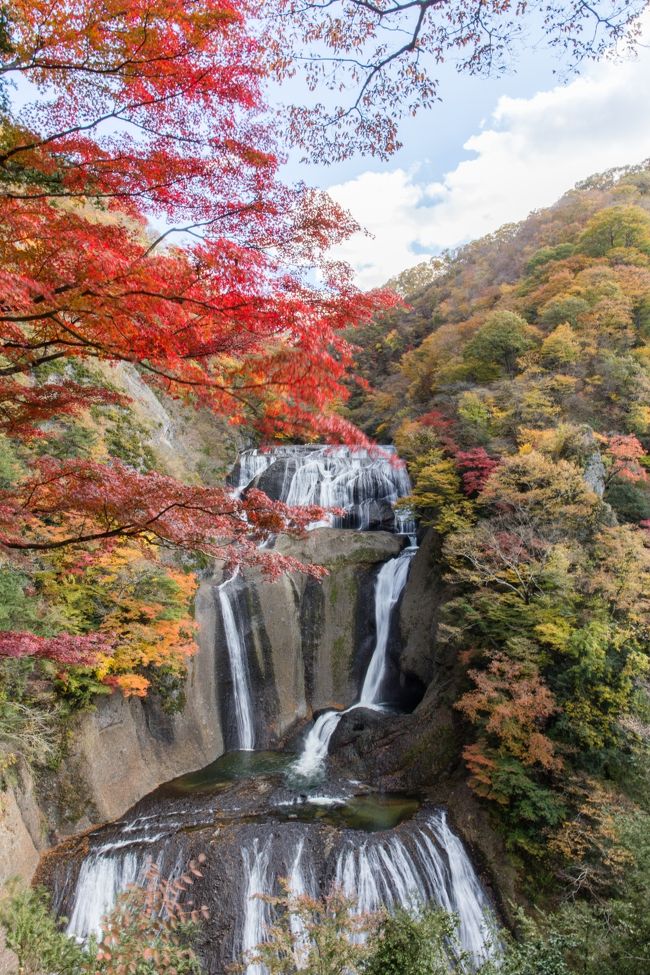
18	849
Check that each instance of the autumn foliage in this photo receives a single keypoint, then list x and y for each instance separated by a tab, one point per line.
217	307
517	386
144	224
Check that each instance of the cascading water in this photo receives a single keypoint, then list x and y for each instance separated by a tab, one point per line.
238	667
426	865
256	910
299	883
364	484
103	876
389	586
388	589
468	901
317	743
405	863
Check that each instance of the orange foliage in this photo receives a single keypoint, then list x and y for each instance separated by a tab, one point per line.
511	702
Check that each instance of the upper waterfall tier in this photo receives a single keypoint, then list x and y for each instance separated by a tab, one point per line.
365	485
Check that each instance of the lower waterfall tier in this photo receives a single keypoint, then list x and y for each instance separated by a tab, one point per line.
256	831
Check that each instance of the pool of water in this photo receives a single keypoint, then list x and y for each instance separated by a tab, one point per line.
231	767
371	813
343	804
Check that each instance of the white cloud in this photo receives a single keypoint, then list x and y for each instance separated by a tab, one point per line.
530	152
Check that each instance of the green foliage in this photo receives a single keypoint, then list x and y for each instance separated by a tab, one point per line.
630	501
497	345
28	714
29	733
18	607
71	439
11	467
616	227
476	418
128	440
169	685
561	348
436	494
36	938
565	310
546	254
536	951
417	944
609	936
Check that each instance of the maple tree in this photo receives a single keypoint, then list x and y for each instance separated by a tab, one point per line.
386	55
155	112
476	466
624	454
64	649
144	223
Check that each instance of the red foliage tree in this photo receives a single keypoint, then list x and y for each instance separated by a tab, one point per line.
154	110
624	454
511	704
66	648
475	465
78	502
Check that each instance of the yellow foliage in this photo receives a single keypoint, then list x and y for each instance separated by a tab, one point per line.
142	606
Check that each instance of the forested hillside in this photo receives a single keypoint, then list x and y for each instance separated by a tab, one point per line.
517	386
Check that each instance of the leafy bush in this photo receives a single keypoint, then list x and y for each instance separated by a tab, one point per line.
417	944
148	932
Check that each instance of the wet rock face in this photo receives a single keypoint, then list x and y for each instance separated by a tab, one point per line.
276	479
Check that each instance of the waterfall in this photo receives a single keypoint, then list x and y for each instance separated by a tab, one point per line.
106	873
256	910
388	588
102	878
469	901
412	869
317	743
414	863
238	667
251	463
300	882
365	484
421	863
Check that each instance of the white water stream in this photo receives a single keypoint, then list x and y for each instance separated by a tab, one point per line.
412	869
389	586
238	667
256	910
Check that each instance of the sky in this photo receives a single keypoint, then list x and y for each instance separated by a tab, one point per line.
492	152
